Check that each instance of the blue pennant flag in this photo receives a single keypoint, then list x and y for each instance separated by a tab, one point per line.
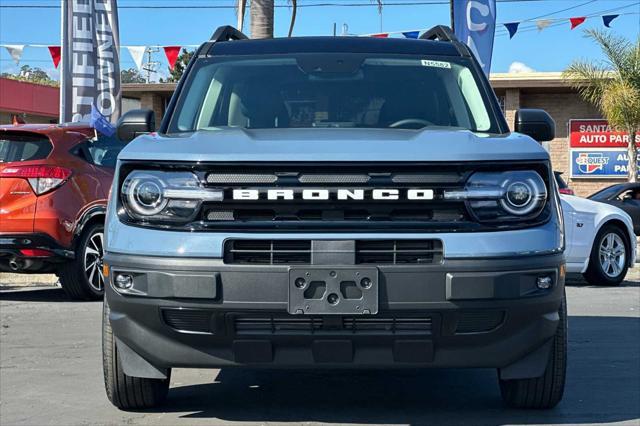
100	122
606	19
411	34
512	27
475	25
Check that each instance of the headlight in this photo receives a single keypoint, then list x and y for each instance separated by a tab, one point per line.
503	196
152	196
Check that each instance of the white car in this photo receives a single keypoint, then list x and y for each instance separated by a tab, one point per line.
600	242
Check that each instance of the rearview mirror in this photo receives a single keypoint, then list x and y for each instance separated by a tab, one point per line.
536	123
135	123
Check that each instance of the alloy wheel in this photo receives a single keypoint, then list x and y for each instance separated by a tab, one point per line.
612	255
93	253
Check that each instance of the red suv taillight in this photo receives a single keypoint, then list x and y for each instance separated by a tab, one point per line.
566	191
41	178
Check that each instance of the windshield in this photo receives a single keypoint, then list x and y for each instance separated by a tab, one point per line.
606	193
332	90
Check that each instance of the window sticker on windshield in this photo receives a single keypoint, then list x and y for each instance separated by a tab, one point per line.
435	64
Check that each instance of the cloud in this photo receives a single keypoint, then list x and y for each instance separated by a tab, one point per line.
519	67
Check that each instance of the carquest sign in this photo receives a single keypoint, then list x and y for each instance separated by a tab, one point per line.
596	134
607	163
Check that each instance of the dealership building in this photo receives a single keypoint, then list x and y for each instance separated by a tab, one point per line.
588	154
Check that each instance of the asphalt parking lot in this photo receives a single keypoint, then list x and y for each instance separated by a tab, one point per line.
50	373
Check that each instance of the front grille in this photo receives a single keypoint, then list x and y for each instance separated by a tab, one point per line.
300	252
346	213
289	325
188	320
479	321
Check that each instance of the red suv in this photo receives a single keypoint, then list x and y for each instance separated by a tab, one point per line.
54	185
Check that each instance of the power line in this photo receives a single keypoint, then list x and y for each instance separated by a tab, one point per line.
281	5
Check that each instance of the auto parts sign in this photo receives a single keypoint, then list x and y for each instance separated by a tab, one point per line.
612	163
596	134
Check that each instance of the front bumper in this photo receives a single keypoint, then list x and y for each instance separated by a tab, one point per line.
460	313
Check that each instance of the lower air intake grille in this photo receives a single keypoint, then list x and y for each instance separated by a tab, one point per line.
268	252
399	251
270	325
394	325
277	325
299	252
188	320
479	321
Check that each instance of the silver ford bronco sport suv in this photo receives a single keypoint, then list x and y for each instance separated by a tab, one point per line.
334	202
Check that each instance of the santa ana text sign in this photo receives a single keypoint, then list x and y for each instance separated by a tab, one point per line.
596	134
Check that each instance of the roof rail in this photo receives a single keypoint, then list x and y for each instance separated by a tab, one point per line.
440	33
226	33
444	33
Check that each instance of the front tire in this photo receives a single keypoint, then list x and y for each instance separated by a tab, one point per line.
546	391
126	392
608	262
82	278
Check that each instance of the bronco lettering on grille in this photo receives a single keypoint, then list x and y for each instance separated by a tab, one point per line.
417	194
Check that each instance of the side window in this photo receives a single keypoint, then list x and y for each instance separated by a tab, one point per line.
102	152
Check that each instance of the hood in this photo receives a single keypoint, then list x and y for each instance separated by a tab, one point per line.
571	203
282	145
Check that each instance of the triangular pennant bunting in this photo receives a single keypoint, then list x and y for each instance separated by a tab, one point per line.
172	53
512	27
137	54
606	20
381	35
15	51
577	21
543	23
411	34
54	51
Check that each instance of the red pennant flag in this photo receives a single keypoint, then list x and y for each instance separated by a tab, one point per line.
382	35
577	21
55	54
172	53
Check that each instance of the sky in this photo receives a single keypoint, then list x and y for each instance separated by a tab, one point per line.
550	50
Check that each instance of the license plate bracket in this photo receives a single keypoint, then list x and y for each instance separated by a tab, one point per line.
333	291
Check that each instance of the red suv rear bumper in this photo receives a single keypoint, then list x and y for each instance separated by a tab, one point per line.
31	253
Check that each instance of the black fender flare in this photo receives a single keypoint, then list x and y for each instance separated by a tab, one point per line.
87	216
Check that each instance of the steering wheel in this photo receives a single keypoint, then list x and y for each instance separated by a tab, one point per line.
401	123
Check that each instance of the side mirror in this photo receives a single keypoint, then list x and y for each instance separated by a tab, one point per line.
135	123
536	123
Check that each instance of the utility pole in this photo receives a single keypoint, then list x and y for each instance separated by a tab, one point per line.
453	22
151	66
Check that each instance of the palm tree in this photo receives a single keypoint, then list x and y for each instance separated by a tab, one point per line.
294	12
261	12
262	16
613	86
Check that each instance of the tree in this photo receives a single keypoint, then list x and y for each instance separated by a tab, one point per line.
180	66
613	86
261	18
132	75
33	75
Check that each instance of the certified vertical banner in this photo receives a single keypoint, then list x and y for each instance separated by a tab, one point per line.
475	25
90	73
